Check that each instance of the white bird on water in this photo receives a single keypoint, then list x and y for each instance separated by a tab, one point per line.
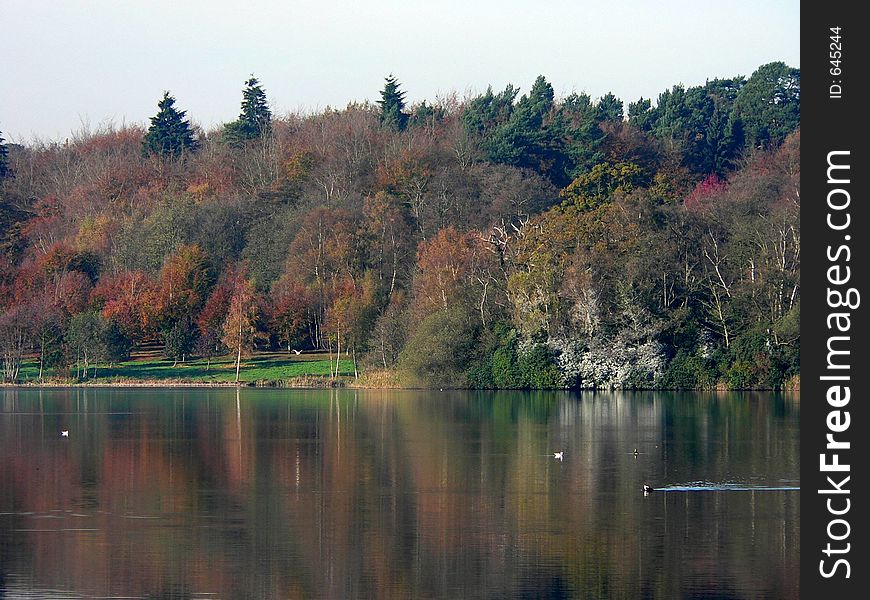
298	352
64	433
558	455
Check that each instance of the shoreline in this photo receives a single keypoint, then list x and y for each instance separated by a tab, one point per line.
308	384
313	383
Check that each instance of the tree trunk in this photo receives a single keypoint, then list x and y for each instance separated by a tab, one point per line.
721	314
485	285
238	362
355	371
239	354
338	347
395	267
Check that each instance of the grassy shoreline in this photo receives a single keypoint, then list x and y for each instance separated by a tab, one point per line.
301	382
149	370
313	370
378	381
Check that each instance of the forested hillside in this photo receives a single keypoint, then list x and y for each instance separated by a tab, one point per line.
510	240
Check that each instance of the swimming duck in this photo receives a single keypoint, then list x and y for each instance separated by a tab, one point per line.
646	489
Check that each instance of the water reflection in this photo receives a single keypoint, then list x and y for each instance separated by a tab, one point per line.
351	494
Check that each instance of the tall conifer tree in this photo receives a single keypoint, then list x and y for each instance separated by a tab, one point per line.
255	119
5	169
392	105
170	133
609	108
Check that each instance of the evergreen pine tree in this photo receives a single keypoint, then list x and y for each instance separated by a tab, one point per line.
578	119
255	119
5	169
769	104
526	140
170	133
609	108
640	114
534	136
392	105
489	111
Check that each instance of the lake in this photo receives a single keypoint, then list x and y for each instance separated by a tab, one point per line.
214	493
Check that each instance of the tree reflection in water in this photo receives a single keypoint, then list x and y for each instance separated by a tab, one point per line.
351	494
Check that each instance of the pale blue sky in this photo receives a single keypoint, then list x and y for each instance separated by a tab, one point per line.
69	62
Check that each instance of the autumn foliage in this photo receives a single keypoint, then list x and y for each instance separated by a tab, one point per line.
549	234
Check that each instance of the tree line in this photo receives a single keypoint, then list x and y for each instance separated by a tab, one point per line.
496	241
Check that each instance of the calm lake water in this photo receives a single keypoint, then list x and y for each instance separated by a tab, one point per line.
210	493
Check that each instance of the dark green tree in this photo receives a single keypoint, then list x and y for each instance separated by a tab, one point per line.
47	327
717	144
532	137
538	103
523	136
488	111
5	169
699	122
769	104
670	118
609	108
426	115
441	349
640	114
179	340
116	341
255	120
86	342
392	105
583	137
170	133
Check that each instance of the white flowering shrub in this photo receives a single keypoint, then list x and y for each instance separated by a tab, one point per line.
608	364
